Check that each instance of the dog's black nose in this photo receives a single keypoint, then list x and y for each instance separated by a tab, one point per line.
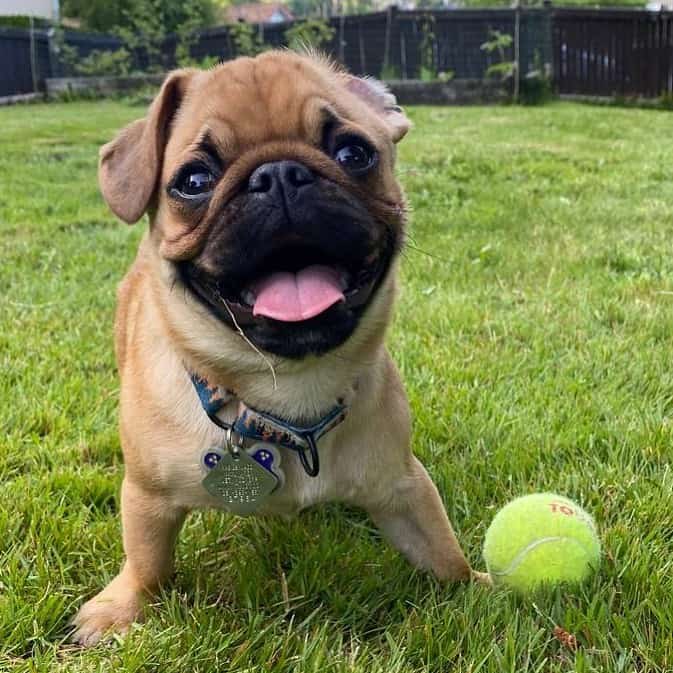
285	175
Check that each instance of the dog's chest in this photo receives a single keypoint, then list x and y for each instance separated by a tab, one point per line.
195	478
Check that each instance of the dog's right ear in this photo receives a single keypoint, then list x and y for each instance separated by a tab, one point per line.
380	99
130	165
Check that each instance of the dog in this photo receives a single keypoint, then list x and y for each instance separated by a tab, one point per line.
249	332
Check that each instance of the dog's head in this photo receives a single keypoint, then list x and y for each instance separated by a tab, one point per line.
270	188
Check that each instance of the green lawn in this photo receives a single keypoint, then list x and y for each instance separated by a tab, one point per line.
534	333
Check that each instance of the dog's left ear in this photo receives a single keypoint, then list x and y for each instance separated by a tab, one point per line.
377	95
130	165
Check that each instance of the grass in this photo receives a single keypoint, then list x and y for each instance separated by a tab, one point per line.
533	333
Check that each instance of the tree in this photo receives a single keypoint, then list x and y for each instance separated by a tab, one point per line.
97	15
314	33
143	25
327	8
167	16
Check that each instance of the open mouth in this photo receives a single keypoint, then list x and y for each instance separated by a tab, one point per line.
298	283
291	296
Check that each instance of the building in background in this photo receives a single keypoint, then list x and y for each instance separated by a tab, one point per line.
43	9
258	12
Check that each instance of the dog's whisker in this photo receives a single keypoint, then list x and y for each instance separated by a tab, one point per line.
352	361
245	338
415	248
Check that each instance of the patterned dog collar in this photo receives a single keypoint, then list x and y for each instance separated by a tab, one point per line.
253	425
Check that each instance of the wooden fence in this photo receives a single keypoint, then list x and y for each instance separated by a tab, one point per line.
390	42
24	62
27	59
591	52
613	52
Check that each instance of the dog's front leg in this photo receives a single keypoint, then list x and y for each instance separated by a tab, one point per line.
415	522
150	525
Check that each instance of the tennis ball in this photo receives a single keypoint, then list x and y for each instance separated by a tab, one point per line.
542	538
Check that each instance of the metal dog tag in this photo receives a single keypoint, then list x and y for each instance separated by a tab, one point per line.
240	482
268	456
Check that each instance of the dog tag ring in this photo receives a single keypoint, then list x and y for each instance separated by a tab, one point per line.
239	482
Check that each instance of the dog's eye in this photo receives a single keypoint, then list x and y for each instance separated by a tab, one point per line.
355	157
197	182
193	182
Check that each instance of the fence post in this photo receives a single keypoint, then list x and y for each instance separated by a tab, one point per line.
33	55
342	43
548	53
386	50
363	67
517	49
51	50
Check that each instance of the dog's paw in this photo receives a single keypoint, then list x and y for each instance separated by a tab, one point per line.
111	611
482	578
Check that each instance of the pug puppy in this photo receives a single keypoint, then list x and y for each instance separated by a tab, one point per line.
250	329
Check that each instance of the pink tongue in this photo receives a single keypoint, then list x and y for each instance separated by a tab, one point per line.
292	297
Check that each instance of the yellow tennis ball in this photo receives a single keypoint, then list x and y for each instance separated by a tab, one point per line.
542	538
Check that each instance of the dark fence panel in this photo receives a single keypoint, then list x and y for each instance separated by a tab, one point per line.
456	36
536	46
613	52
16	72
360	41
84	44
389	43
597	52
594	52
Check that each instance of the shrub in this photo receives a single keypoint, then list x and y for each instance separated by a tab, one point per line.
312	33
389	72
105	62
428	48
246	39
536	87
498	43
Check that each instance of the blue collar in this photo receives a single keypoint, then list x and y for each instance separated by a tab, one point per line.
254	425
